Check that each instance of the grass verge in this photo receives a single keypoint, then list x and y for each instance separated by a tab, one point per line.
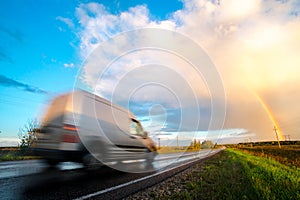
12	155
233	174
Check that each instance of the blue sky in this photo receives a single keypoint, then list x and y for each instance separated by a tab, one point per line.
40	51
253	45
33	52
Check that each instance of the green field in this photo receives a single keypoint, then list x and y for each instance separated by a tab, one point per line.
233	174
287	155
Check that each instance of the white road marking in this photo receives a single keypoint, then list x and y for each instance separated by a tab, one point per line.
139	180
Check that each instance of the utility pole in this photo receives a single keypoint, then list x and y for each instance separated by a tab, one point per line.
158	143
275	129
287	138
177	142
251	145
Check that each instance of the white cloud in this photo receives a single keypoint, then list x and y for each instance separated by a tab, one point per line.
236	10
225	136
69	65
99	25
9	142
65	20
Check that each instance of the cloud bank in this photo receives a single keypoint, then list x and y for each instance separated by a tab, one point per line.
254	44
9	142
8	82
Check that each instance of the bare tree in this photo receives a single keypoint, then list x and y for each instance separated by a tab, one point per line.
28	134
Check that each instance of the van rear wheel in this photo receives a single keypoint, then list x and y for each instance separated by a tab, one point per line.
52	163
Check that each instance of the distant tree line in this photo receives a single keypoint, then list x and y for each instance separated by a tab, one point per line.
197	145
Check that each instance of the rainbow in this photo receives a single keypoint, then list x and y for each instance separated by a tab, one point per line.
271	116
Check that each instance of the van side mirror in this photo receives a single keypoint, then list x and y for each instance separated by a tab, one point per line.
145	134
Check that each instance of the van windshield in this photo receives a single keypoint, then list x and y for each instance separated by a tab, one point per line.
136	128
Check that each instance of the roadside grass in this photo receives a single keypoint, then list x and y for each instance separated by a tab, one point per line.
233	174
270	179
182	149
14	154
168	149
13	157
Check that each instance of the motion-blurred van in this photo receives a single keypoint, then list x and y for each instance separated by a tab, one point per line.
82	127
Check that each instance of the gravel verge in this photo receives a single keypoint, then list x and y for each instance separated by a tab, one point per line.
176	184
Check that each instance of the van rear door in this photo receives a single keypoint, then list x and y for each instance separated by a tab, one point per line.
51	130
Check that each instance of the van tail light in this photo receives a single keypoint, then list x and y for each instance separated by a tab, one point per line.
70	137
70	127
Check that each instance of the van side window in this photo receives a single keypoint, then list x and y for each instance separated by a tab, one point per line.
136	128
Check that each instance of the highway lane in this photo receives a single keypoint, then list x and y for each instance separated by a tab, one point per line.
27	167
34	180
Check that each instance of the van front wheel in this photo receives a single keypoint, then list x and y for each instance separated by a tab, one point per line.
90	162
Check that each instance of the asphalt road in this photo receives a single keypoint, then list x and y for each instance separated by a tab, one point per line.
33	179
